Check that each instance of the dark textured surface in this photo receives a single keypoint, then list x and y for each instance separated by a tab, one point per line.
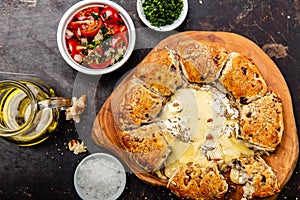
28	47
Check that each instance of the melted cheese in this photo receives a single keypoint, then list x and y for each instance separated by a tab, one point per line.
191	117
233	148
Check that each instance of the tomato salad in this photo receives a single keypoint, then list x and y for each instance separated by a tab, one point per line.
97	37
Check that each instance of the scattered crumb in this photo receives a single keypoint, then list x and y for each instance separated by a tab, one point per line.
275	50
76	147
78	106
32	3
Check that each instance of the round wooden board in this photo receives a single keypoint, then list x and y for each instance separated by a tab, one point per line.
282	161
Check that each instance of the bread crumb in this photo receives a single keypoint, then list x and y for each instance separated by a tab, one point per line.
77	147
32	3
275	50
78	106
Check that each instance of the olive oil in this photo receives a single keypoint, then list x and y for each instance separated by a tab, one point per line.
21	121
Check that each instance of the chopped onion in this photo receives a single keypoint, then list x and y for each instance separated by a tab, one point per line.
78	57
120	51
69	34
83	41
107	53
98	37
114	41
81	18
112	50
79	32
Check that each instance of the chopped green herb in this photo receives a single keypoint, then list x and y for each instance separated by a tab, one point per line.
95	15
162	13
104	30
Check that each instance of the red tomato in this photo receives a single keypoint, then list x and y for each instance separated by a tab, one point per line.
124	38
122	28
121	37
91	29
99	50
75	47
110	16
115	29
73	44
100	65
88	21
87	12
75	24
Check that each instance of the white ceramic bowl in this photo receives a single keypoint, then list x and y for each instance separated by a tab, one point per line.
66	19
102	175
170	27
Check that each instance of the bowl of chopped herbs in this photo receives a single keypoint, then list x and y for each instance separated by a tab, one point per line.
162	15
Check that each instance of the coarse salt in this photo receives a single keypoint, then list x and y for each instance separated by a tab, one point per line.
99	178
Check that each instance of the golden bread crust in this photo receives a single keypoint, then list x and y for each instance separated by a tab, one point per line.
261	122
138	106
147	145
194	181
159	72
200	62
242	78
158	56
260	180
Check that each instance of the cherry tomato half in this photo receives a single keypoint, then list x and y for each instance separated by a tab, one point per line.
115	29
121	38
110	16
122	28
74	47
100	65
87	21
73	44
91	29
87	12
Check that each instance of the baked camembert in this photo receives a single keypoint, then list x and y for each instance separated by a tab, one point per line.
192	114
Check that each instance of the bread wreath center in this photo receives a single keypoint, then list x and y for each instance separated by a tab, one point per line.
201	126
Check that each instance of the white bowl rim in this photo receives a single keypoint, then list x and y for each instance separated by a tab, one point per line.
66	18
170	27
105	156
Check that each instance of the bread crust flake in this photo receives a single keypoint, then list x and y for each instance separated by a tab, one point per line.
194	181
160	72
147	146
242	78
261	122
201	62
260	180
138	106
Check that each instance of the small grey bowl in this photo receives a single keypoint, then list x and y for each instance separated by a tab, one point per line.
105	162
